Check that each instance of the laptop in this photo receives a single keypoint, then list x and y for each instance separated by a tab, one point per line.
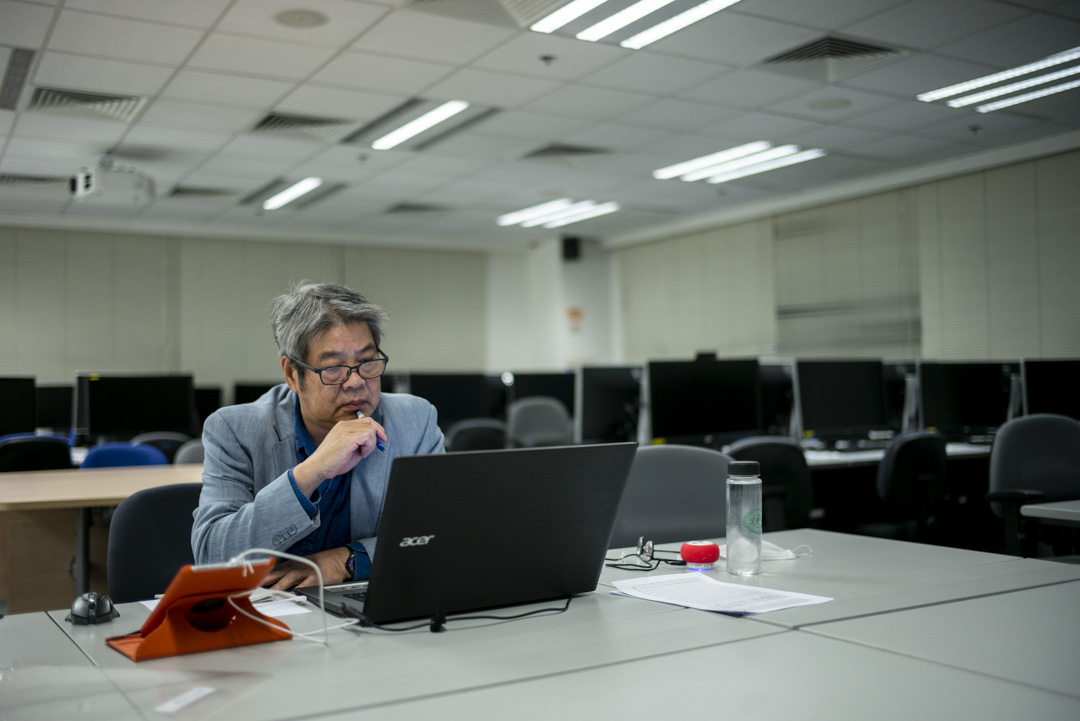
483	529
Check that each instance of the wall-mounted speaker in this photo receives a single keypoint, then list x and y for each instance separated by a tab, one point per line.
571	247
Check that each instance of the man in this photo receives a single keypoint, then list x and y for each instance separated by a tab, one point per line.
304	469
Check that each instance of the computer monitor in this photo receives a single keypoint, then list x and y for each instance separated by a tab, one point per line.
610	398
964	401
121	406
18	405
207	400
54	407
1052	386
841	399
558	385
456	396
251	391
777	397
704	402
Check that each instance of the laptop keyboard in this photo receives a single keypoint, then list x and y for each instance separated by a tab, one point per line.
358	596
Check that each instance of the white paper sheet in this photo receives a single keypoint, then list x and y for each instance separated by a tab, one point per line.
697	590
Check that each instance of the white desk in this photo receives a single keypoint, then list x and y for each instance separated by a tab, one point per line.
1067	511
852	459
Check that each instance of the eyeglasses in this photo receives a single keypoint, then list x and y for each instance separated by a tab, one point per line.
336	375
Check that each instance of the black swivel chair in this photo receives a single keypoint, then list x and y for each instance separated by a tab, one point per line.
785	478
34	453
150	539
476	434
674	493
1034	459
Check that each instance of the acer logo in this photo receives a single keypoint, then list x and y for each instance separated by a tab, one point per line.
416	541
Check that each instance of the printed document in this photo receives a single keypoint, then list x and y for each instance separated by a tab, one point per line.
696	590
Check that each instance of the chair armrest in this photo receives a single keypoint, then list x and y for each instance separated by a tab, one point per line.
1021	536
1017	496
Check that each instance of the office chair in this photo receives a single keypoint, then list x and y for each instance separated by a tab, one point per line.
190	452
34	453
167	442
149	540
476	434
785	477
911	482
674	493
123	454
1034	459
538	421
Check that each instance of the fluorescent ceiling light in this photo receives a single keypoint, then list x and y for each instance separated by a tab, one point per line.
769	165
1017	99
596	210
565	14
770	154
291	193
677	23
948	92
419	125
572	209
621	19
705	161
1012	88
536	211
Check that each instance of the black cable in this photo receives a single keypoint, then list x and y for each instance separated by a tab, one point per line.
437	621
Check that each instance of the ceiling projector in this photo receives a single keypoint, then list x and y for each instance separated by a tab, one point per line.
114	185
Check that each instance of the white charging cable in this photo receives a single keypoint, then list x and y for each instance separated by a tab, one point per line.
249	568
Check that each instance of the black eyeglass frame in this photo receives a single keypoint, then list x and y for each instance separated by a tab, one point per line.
383	359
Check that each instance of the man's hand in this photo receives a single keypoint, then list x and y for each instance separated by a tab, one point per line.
290	574
344	446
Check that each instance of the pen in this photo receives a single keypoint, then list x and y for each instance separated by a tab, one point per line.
378	442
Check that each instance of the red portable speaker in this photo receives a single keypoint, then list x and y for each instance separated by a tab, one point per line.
700	554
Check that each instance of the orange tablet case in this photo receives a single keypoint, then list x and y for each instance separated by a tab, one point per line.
195	615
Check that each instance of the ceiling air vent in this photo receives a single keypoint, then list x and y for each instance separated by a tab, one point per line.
71	102
18	71
557	150
330	130
830	58
7	180
191	193
415	208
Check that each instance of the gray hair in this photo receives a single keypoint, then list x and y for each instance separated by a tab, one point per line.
299	316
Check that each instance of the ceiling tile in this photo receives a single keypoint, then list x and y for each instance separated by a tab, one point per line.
89	34
814	13
244	167
332	102
225	89
917	74
1068	9
749	127
907	116
819	105
750	89
74	72
619	137
734	39
267	58
654	74
677	115
7	120
899	146
988	124
443	167
281	149
551	57
59	127
530	126
346	20
200	117
144	135
377	72
429	37
834	137
926	24
24	26
352	156
1024	41
193	13
577	101
492	89
76	153
465	193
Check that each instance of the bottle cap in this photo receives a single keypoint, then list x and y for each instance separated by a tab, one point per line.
743	468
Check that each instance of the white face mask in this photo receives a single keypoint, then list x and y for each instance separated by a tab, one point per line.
772	552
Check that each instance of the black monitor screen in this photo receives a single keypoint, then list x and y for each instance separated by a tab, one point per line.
207	400
963	398
18	403
777	397
249	392
456	396
704	398
54	407
124	406
610	398
553	385
1052	386
841	398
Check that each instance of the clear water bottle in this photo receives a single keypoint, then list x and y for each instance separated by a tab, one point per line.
744	518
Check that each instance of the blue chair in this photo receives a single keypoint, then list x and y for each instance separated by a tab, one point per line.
110	455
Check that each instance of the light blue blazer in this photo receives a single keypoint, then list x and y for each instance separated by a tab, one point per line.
247	500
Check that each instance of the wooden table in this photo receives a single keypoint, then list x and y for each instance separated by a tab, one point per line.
40	509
